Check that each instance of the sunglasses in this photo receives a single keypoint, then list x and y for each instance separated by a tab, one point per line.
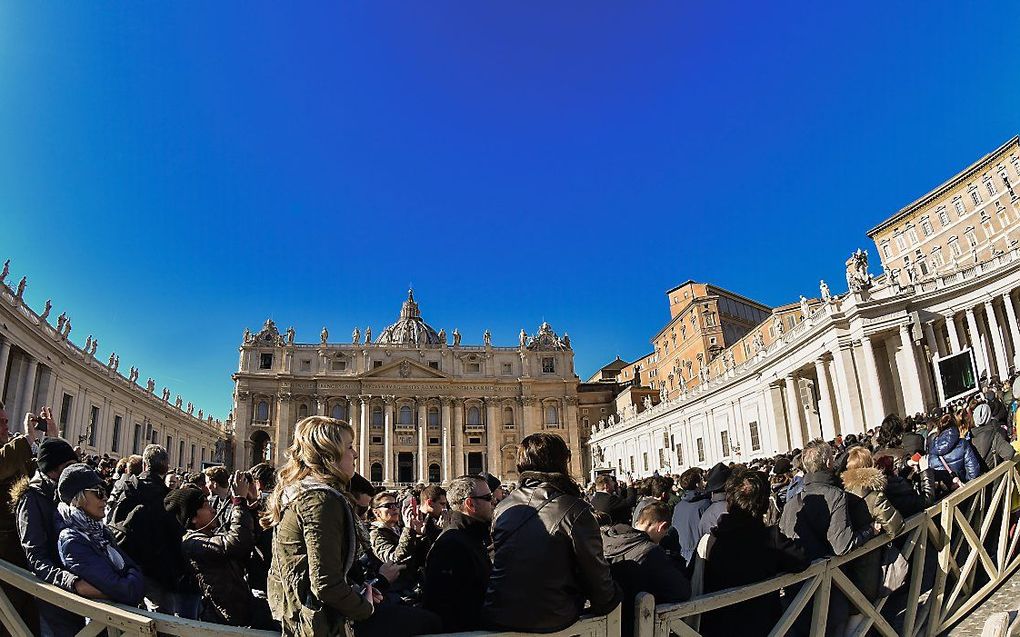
99	492
487	497
389	505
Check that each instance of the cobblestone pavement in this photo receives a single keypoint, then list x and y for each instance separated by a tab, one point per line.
1005	598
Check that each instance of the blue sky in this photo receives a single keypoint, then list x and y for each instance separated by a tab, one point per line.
173	173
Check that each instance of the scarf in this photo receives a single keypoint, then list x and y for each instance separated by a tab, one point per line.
94	530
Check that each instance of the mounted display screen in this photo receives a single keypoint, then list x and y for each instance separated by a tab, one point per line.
956	376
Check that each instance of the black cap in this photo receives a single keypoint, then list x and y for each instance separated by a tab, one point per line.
54	452
184	503
492	481
75	479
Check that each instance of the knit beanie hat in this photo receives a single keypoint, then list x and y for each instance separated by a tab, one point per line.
184	503
54	452
982	414
75	479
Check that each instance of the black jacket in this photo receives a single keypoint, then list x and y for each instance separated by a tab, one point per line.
912	443
991	445
548	558
640	565
818	519
146	532
456	572
911	495
746	551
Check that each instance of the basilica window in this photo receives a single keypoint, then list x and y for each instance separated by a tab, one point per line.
552	417
943	216
434	364
926	227
339	411
377	416
508	418
433	417
302	411
474	415
339	365
474	368
306	364
262	411
958	204
376	364
265	361
508	369
548	365
405	416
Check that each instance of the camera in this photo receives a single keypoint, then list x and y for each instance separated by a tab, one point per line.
41	424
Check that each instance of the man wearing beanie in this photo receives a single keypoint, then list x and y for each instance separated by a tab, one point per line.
989	439
36	508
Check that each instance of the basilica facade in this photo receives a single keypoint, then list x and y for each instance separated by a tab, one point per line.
425	407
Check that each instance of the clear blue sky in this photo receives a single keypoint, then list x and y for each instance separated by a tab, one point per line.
172	173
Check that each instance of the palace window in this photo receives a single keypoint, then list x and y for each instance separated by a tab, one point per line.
971	236
262	411
1001	213
954	245
724	438
508	369
943	216
912	233
552	417
405	416
701	449
901	243
975	196
958	204
936	257
986	223
265	361
339	365
926	227
886	250
991	187
548	365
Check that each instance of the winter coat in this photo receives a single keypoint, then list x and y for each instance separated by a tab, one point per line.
612	506
15	464
457	572
746	551
868	485
712	514
218	563
818	521
313	549
548	558
686	518
991	445
82	556
913	494
640	565
639	506
36	510
959	455
912	442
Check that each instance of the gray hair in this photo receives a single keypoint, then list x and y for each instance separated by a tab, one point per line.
156	459
461	489
817	456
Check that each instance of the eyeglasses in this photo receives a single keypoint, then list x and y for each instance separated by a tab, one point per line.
389	505
99	492
487	497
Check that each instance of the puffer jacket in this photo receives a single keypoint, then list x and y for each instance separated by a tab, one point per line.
959	455
313	549
991	445
218	563
83	557
547	559
817	519
869	483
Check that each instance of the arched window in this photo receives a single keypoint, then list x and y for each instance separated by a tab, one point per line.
433	416
376	472
474	416
339	411
508	416
406	416
551	415
262	411
377	417
434	473
302	411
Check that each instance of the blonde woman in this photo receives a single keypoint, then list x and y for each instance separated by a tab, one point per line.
315	539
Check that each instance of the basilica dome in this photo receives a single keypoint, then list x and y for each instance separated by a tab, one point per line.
410	328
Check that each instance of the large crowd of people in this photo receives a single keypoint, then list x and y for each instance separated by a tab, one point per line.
316	549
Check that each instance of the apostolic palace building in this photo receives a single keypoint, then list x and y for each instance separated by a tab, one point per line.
426	407
835	364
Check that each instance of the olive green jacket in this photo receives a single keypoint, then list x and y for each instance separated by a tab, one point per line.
313	548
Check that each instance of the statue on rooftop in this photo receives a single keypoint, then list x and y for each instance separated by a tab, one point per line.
823	288
290	335
356	336
487	338
6	270
46	311
456	337
323	335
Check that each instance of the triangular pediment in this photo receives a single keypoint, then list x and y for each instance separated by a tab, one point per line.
404	368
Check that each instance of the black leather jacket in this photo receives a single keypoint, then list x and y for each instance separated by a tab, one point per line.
548	559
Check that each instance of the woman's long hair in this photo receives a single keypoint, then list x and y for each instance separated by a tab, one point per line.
316	451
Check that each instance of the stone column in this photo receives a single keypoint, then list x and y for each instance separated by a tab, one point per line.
423	455
850	412
5	354
954	333
25	399
795	412
284	422
1000	348
388	441
458	437
363	445
524	416
910	376
975	343
1007	303
447	442
571	433
873	385
933	343
825	412
493	436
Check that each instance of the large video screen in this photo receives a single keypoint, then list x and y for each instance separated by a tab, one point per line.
956	376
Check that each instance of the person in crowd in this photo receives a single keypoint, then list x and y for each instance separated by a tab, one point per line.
890	442
495	486
744	551
989	438
909	490
715	486
172	480
638	563
36	509
609	507
687	513
457	568
950	452
314	540
911	441
152	537
218	559
655	489
263	479
85	545
393	541
430	510
217	485
547	550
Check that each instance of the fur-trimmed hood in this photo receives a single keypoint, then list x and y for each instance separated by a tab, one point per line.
864	479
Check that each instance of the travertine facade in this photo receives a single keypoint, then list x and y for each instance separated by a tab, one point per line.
96	406
425	407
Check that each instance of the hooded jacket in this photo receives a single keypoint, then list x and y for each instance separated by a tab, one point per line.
991	445
686	518
959	455
457	571
547	559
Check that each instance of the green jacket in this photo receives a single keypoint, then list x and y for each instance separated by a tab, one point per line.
313	548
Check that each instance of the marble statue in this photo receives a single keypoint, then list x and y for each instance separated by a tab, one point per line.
247	335
191	408
88	345
647	402
46	310
67	329
60	322
368	334
777	325
166	394
21	288
442	336
759	342
663	392
112	356
805	310
150	385
857	277
456	337
323	335
290	336
116	363
487	338
598	455
522	338
178	402
95	346
566	340
200	414
356	336
6	270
